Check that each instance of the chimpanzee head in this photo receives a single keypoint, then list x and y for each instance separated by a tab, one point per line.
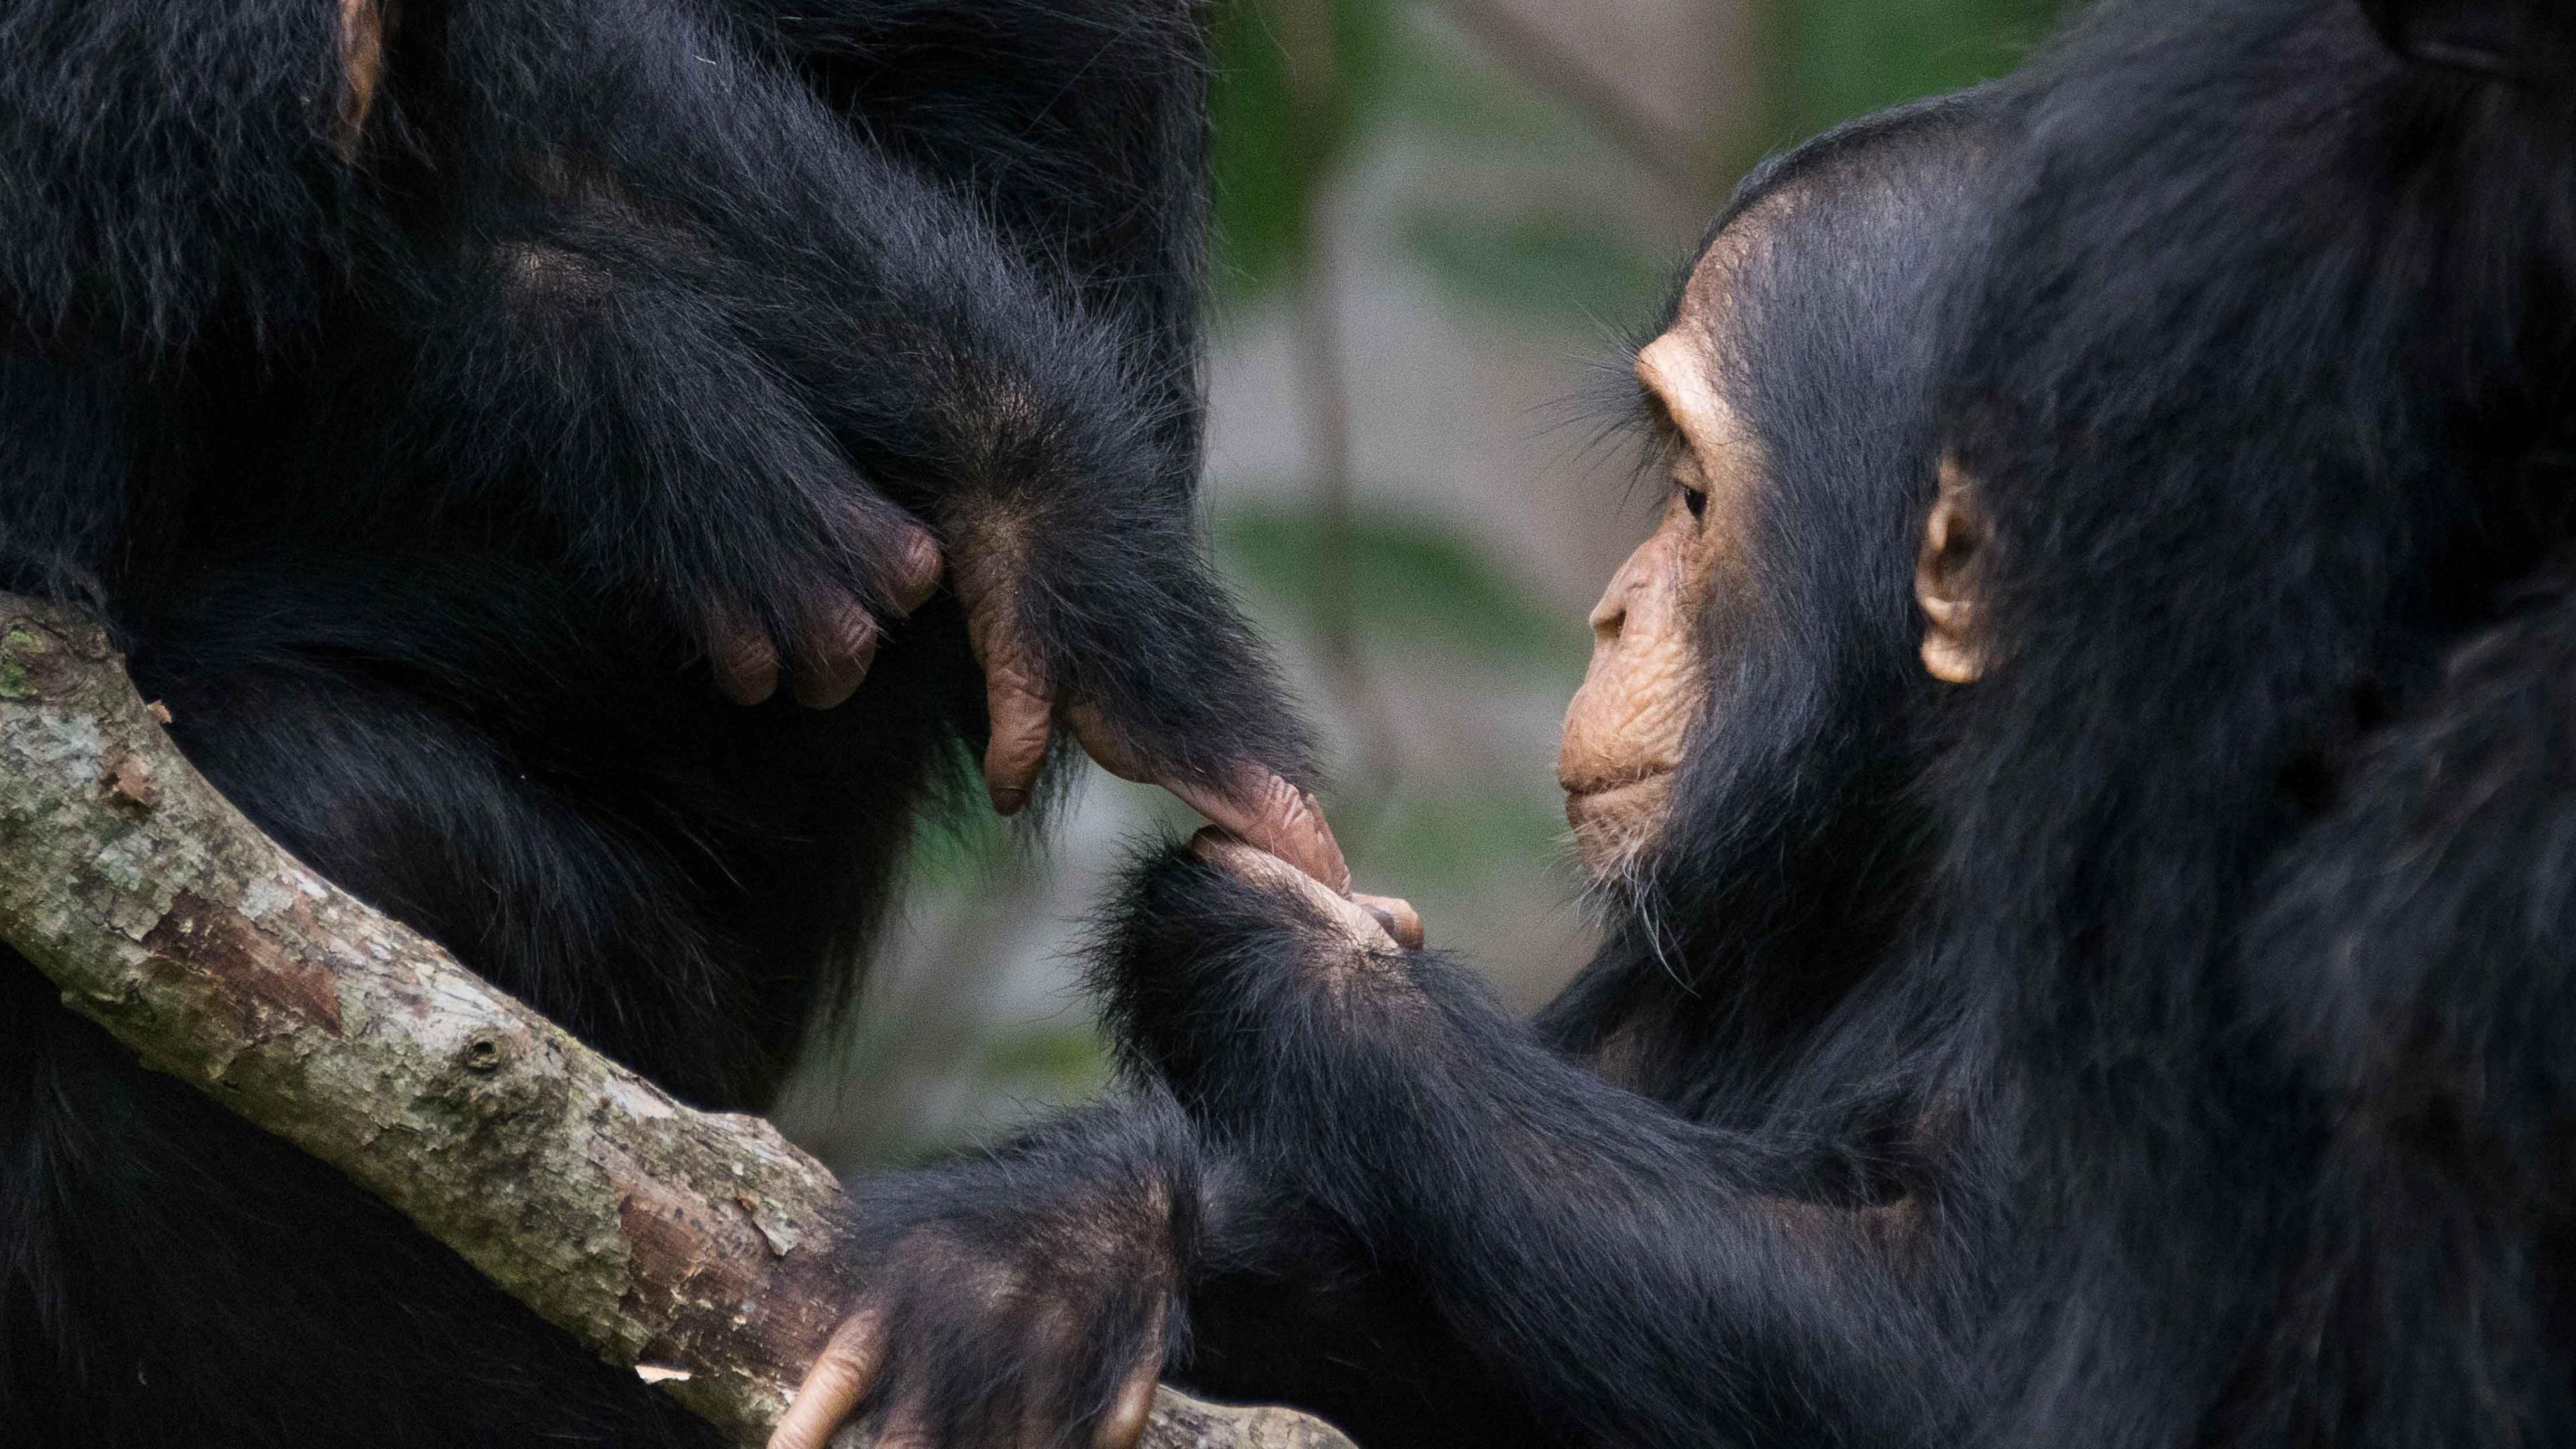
1751	719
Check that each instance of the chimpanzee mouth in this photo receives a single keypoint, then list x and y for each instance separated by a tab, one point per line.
1614	817
1604	791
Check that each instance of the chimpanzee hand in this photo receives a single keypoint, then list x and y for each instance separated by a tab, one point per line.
592	359
822	634
1357	922
1019	1301
1172	693
1229	973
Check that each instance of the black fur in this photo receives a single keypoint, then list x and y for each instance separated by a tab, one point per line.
2269	381
410	472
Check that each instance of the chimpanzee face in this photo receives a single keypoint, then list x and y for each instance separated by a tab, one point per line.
1626	732
1688	600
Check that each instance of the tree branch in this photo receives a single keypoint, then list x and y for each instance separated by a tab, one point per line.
697	1247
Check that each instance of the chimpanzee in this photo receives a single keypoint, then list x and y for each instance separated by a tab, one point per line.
2208	1083
1720	1190
450	406
2259	818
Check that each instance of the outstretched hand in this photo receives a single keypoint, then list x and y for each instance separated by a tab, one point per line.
1020	1299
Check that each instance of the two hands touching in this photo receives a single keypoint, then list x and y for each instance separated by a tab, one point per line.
1030	1297
822	638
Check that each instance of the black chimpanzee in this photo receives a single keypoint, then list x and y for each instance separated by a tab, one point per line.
1721	1190
2210	1086
2264	812
444	403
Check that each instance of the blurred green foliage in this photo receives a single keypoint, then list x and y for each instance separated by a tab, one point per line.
1415	582
955	853
1836	59
1420	589
1549	263
1553	268
1275	148
1441	849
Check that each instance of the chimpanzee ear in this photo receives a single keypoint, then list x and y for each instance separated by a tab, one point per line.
2520	39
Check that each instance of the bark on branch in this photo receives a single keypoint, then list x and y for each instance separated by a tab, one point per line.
696	1247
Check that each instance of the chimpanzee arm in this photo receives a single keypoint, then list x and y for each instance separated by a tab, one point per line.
1287	1305
1646	1280
1102	183
997	400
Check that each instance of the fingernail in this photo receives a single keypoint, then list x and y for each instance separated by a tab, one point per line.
1008	800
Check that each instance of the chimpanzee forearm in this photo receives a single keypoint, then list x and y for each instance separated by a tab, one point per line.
633	405
1644	1279
1287	1305
1038	422
1102	185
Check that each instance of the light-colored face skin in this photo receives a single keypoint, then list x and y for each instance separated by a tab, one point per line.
1648	683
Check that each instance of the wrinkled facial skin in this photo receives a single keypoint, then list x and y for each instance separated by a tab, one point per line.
1628	726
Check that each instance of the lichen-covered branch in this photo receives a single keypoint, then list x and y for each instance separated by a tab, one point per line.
697	1247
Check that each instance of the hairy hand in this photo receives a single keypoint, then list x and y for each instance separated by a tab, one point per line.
1368	923
824	637
1025	705
1021	1301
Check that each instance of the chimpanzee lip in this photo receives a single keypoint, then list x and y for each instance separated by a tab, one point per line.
1596	789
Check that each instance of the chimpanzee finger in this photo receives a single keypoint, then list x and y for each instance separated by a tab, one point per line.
740	652
1399	917
881	551
1022	722
835	643
363	28
1276	817
1253	803
915	575
835	1385
1359	925
1018	703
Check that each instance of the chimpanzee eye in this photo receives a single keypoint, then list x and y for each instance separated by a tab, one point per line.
1696	500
